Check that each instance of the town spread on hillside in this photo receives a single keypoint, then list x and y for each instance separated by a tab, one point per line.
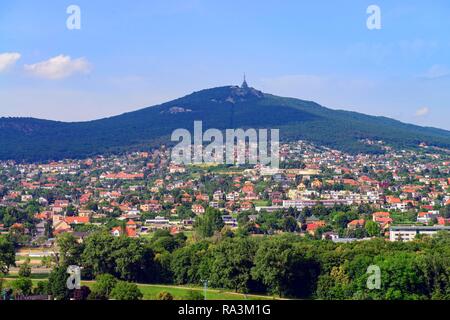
318	194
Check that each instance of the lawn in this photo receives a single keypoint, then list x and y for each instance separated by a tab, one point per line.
404	218
34	276
261	203
179	293
150	291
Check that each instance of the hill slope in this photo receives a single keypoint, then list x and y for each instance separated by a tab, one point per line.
28	139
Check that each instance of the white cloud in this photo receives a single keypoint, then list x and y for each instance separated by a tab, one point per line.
8	59
437	71
422	112
59	67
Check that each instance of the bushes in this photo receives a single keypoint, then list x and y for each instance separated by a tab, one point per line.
58	284
7	254
42	288
285	265
126	291
102	287
195	296
25	269
125	258
22	286
232	264
164	295
284	269
108	287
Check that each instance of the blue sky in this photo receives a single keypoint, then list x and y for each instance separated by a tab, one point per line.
133	54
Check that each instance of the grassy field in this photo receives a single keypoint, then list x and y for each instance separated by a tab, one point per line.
261	203
150	291
404	218
181	293
36	276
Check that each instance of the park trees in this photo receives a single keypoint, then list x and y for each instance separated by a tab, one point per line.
341	219
401	278
41	288
162	241
284	269
97	253
25	269
126	291
445	211
209	223
69	250
103	286
231	264
7	254
22	286
372	228
290	224
335	285
125	258
285	265
57	283
190	264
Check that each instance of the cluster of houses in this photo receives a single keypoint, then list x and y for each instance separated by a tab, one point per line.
147	192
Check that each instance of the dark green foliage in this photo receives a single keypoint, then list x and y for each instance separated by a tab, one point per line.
164	296
209	223
58	284
287	265
25	269
22	286
7	254
69	250
195	296
126	291
190	264
27	139
125	258
285	269
101	289
42	288
232	264
163	241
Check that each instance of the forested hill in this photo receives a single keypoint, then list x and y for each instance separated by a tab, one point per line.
28	139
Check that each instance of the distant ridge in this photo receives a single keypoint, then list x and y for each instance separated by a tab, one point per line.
28	139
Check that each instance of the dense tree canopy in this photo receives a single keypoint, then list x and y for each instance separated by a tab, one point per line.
7	254
209	223
126	291
284	265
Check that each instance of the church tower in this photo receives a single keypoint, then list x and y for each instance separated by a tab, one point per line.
244	84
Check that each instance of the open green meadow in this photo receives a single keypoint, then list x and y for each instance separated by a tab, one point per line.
151	291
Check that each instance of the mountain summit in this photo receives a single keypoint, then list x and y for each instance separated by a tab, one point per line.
28	139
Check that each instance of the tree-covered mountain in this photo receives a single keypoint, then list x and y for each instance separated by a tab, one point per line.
28	139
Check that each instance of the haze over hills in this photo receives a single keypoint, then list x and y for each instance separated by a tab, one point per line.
28	139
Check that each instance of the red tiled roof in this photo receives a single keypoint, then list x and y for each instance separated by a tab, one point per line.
381	214
393	200
76	220
359	222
